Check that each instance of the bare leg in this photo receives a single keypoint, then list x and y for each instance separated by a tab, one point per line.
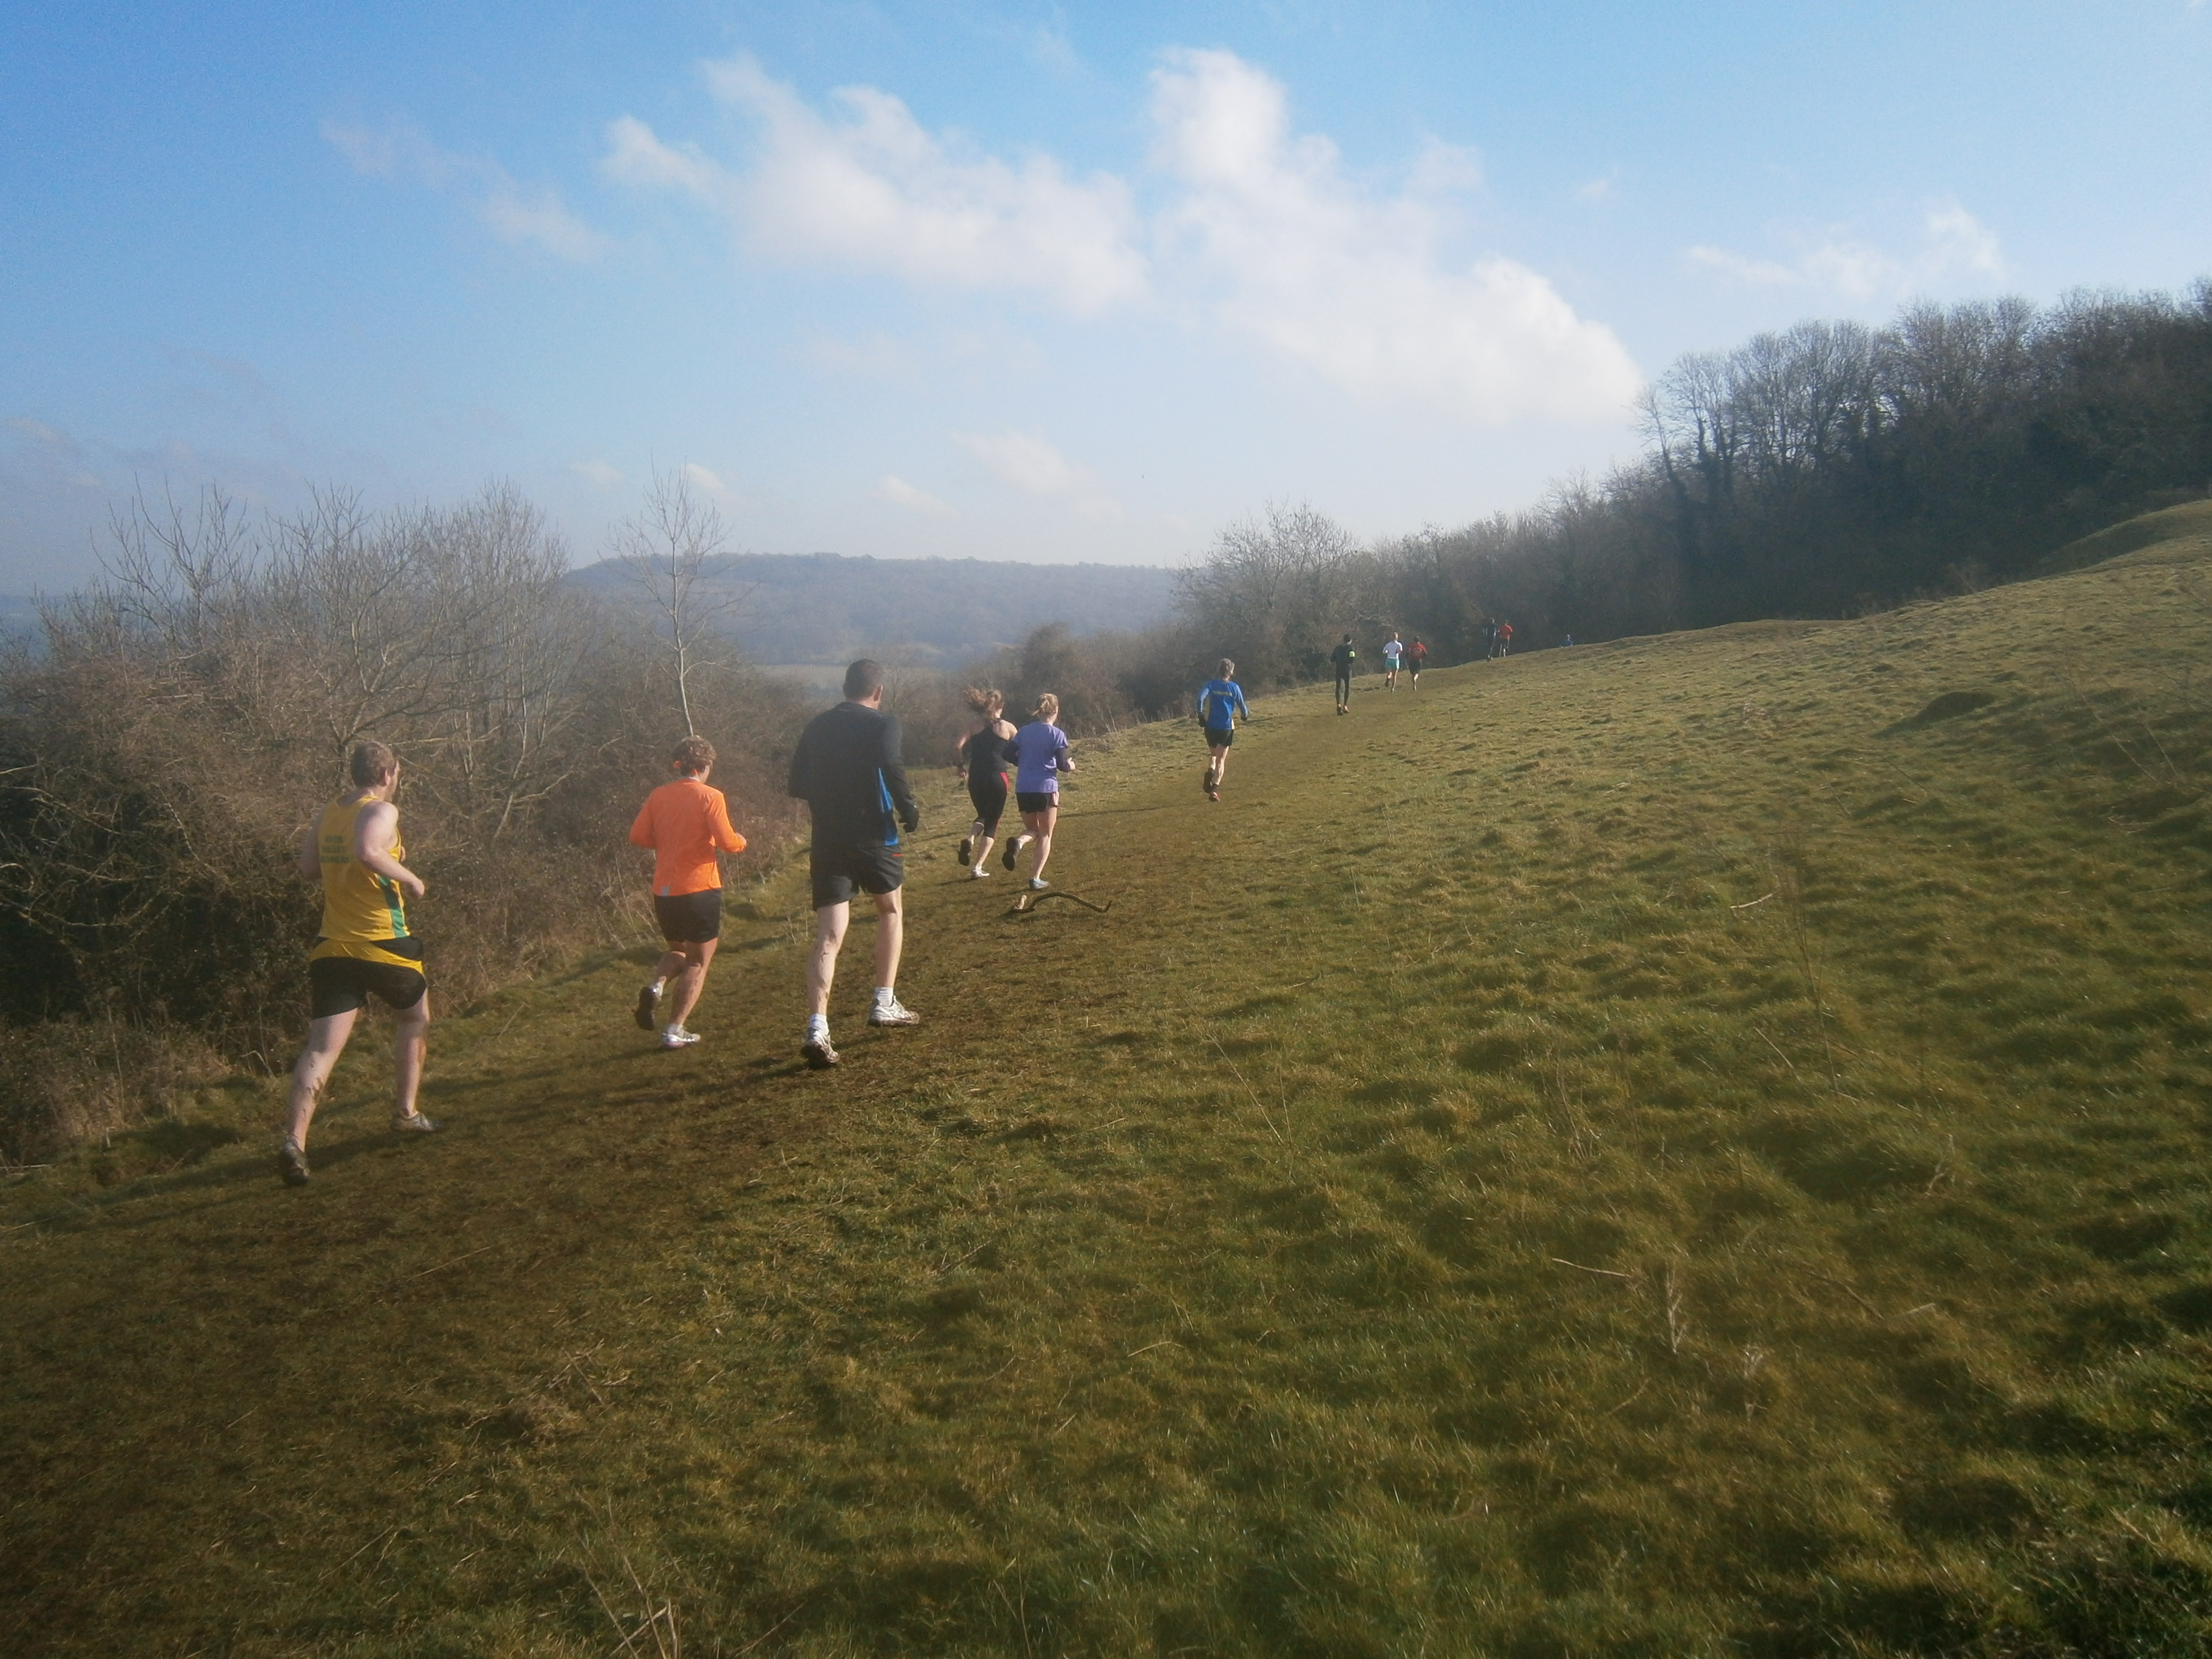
822	965
1040	826
890	937
410	1042
690	978
982	849
326	1041
1220	765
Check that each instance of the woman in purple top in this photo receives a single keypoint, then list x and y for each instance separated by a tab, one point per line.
1039	751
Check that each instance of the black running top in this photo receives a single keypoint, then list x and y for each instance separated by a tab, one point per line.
847	768
984	750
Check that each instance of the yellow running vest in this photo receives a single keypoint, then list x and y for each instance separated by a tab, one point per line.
364	915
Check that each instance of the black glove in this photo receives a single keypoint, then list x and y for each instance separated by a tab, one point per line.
913	821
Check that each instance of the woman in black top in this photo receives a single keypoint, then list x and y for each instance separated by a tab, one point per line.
983	764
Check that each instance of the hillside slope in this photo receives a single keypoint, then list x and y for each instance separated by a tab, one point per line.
1697	1145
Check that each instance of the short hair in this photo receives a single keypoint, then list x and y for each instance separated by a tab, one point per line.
863	679
1226	669
694	754
1348	636
1048	708
371	762
983	699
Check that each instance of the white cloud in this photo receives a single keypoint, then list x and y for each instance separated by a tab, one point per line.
874	189
1262	233
900	493
1032	466
597	472
538	216
1953	244
1600	189
1351	283
707	481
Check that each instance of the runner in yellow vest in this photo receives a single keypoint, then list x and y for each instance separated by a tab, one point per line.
365	949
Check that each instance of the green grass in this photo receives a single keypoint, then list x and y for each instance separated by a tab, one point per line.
1697	1145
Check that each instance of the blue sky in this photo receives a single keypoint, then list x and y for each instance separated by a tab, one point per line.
1008	281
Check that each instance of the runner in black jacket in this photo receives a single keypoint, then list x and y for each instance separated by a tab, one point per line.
848	770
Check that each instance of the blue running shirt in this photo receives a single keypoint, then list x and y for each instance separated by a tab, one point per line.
1219	702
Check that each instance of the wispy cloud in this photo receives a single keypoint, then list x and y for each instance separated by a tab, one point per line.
1260	232
874	190
709	481
597	472
1954	244
534	216
1032	465
1352	282
899	493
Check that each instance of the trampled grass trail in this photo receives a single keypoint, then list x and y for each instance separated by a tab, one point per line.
1696	1145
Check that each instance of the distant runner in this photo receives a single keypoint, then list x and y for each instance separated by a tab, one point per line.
1220	701
365	949
1505	639
684	823
983	765
1343	656
1393	648
1416	654
847	768
1039	751
1490	639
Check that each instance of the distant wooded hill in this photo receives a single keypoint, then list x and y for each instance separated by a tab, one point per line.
825	607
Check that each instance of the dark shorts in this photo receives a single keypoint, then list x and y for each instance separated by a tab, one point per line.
690	917
1036	800
838	871
1220	736
1343	676
987	793
343	985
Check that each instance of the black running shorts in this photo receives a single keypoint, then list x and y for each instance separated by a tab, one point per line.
1036	800
987	791
343	985
1220	736
690	917
838	871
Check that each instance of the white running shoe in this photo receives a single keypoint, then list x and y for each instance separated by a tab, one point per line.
893	1012
1038	884
980	873
677	1037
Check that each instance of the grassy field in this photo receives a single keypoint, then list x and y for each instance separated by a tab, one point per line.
1692	1146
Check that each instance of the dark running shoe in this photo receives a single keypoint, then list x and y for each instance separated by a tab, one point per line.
648	999
967	848
292	1164
818	1053
1012	855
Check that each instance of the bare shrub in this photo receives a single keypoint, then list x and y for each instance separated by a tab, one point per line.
161	757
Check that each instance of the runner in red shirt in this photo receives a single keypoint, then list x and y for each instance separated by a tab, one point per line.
1416	655
684	823
1505	639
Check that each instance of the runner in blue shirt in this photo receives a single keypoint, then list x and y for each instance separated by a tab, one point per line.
1039	751
1220	701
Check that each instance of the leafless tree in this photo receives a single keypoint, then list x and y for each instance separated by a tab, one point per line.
665	551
